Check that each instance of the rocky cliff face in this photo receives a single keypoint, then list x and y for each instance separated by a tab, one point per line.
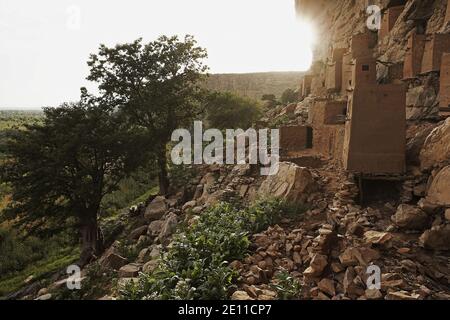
338	22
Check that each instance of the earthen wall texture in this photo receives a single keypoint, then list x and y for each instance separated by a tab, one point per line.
364	72
389	19
347	71
306	85
293	138
445	81
375	140
414	55
328	137
435	46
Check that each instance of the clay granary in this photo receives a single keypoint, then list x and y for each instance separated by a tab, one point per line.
435	45
413	59
294	139
362	45
306	86
347	72
444	106
327	119
333	80
389	18
375	140
364	72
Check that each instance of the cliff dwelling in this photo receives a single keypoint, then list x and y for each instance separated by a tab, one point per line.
435	45
388	21
414	55
445	85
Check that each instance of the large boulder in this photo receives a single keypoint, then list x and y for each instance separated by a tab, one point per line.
150	266
130	270
439	191
410	217
240	296
415	141
168	227
154	229
292	183
420	102
136	233
208	182
316	266
156	209
438	238
111	259
436	150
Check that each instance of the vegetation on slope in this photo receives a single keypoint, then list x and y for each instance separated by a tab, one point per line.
196	264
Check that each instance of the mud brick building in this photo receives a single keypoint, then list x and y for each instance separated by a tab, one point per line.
435	45
318	87
414	55
375	140
333	80
389	18
362	45
444	105
347	71
327	119
306	86
364	72
295	139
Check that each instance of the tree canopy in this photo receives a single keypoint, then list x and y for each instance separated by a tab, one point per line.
64	166
225	110
289	96
157	86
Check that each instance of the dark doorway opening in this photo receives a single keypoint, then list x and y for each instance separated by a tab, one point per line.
372	191
309	138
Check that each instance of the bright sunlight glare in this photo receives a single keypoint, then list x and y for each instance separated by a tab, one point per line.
43	51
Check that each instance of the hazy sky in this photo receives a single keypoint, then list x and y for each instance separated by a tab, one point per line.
44	44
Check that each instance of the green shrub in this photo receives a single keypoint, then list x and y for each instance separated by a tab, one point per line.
95	284
225	110
196	265
264	213
286	286
279	121
289	96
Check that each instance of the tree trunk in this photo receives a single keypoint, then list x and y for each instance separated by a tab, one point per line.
164	183
91	240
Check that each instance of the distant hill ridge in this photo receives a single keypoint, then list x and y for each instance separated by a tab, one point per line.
254	85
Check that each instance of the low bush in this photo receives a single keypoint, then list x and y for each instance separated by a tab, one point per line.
286	286
196	265
95	284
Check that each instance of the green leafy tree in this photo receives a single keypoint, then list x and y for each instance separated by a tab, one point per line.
270	100
289	96
226	110
157	85
64	167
